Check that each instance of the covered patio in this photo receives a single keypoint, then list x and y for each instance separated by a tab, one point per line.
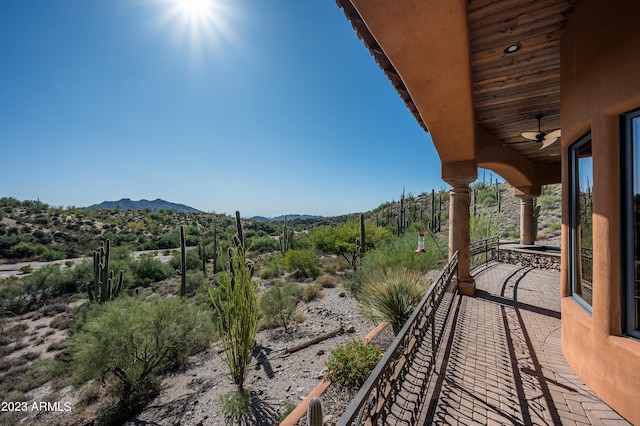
482	77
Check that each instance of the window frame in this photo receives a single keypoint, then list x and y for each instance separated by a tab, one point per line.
627	223
574	207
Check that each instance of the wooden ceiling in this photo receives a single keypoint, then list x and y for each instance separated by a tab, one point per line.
509	90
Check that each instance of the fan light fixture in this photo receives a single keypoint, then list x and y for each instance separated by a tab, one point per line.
545	139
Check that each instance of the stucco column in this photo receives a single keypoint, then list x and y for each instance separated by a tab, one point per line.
526	219
459	232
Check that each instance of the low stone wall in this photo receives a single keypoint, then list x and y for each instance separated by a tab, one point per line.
534	259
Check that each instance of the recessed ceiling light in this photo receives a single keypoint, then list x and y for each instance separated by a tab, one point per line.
513	48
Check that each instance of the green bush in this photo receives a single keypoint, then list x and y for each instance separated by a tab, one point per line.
52	254
351	365
302	262
135	341
278	304
193	260
399	252
392	295
264	244
147	270
269	271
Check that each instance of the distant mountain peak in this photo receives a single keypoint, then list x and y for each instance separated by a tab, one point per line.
281	217
157	204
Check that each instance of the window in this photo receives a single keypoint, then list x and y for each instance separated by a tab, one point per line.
630	221
581	221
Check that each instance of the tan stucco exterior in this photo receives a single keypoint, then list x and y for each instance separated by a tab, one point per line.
600	79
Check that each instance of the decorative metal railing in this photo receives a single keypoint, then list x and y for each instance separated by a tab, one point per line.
586	255
482	251
395	390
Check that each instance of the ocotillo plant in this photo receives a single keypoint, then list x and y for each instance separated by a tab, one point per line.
102	289
237	307
183	263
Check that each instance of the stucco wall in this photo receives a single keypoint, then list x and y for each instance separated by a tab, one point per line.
600	79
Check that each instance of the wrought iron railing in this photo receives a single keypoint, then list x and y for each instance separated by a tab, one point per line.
395	390
482	251
586	255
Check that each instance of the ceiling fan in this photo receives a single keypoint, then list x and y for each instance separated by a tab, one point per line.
545	138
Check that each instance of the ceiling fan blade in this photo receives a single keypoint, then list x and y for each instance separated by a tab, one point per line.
547	142
554	134
530	135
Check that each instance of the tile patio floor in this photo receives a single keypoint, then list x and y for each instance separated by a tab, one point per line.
502	358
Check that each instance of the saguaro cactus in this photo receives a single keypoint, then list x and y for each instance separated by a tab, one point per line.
102	288
285	238
215	249
536	216
362	235
183	263
314	412
203	256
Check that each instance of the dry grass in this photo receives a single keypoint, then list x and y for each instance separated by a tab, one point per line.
327	281
311	292
61	322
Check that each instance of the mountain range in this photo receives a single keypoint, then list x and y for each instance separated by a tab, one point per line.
281	217
157	204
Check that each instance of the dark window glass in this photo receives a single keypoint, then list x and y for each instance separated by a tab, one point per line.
581	242
630	197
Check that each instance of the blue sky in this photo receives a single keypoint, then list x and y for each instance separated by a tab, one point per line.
267	107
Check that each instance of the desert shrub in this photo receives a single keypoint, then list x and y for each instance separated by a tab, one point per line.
147	270
30	356
268	272
302	262
193	260
341	240
61	322
264	244
53	309
400	251
196	280
300	241
278	305
26	269
351	365
50	281
135	341
52	254
327	281
311	292
38	374
392	295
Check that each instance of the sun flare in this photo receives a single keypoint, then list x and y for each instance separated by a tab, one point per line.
195	8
